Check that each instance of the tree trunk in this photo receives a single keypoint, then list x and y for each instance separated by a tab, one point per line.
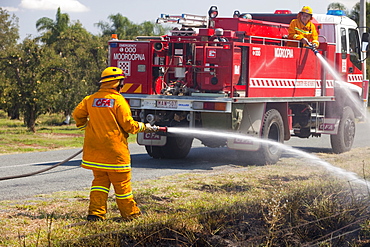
13	113
30	119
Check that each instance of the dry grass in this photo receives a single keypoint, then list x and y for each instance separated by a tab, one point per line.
291	203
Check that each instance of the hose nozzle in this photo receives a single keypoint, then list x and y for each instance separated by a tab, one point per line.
159	129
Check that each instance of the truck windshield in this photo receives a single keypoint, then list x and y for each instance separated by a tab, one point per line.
354	48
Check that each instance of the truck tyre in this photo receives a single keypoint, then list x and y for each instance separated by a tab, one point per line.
272	129
343	141
154	151
177	147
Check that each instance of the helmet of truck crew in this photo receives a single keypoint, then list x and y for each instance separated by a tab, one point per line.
306	9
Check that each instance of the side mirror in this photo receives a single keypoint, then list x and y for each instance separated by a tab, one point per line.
365	46
365	42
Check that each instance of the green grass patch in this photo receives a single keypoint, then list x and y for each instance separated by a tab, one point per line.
15	138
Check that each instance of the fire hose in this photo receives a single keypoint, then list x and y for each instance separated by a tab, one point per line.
313	48
43	170
155	129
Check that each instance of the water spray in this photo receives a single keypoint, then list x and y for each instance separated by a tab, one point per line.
351	176
339	81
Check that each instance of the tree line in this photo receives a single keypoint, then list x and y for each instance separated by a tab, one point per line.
54	71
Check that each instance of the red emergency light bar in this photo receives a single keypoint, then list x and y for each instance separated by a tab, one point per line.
282	12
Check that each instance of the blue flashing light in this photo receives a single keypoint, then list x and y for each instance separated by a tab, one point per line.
336	12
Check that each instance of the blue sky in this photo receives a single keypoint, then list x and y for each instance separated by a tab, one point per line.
89	12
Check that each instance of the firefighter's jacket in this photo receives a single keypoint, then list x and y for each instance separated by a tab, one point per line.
297	30
106	118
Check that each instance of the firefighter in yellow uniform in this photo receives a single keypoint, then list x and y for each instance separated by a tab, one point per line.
303	29
106	118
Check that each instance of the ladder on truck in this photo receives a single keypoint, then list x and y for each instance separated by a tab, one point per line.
186	20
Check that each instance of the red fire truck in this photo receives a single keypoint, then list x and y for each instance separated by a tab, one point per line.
240	74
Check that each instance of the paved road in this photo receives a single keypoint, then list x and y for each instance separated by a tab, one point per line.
70	176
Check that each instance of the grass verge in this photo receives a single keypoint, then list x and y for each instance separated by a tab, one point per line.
292	203
50	135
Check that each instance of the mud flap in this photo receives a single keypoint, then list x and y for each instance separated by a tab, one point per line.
151	139
329	126
250	125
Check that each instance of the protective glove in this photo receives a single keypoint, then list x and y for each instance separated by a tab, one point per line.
149	128
305	41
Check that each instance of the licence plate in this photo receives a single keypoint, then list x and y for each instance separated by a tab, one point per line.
167	104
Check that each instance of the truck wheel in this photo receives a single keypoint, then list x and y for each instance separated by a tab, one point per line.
177	147
154	151
272	129
343	141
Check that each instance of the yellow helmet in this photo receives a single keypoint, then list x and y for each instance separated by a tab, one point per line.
306	9
112	73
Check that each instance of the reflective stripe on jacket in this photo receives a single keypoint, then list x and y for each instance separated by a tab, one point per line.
298	31
107	120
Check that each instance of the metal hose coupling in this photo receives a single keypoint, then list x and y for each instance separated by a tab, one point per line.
313	48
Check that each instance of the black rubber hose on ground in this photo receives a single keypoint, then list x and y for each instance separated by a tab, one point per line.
43	170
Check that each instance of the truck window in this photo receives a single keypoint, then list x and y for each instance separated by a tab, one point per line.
343	38
354	47
327	33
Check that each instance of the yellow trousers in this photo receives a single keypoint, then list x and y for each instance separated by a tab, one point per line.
122	187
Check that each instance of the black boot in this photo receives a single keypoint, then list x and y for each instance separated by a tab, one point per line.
93	218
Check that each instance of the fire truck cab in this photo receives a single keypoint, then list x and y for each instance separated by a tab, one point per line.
241	74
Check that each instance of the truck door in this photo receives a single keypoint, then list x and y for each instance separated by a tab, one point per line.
353	64
350	66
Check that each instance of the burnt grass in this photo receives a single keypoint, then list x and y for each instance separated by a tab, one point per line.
327	217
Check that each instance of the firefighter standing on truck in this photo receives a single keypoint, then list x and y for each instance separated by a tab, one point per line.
303	29
106	118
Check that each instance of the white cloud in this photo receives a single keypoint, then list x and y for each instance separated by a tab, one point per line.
65	5
10	9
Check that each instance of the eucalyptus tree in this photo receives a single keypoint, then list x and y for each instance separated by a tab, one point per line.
337	5
31	75
9	29
148	28
84	57
9	34
355	14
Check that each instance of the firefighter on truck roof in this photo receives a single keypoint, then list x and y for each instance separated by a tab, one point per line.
106	118
303	29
